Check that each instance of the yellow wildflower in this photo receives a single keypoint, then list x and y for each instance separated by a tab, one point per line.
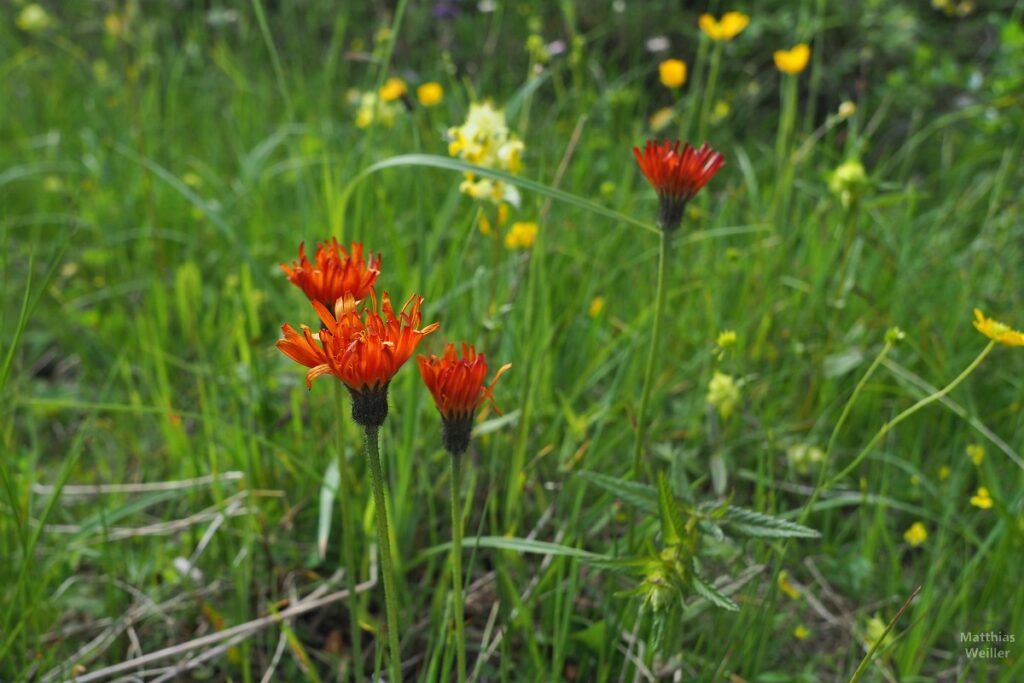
804	457
372	109
976	453
728	27
723	394
521	235
915	480
660	119
596	306
430	94
484	140
726	338
801	632
847	109
916	534
720	111
944	473
997	331
873	632
113	25
33	18
392	89
672	73
982	499
793	60
786	587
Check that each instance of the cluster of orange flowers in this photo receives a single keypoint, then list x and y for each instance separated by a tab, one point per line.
364	341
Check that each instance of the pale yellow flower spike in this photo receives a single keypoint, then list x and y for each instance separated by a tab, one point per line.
794	60
997	331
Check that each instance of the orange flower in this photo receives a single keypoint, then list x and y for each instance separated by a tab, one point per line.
677	176
457	385
363	352
336	272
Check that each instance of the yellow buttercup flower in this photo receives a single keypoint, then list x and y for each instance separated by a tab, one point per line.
430	94
997	331
596	306
982	499
521	236
728	27
976	453
392	89
801	632
672	73
916	534
793	60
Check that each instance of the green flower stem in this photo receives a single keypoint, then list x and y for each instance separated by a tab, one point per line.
458	607
347	534
652	356
707	98
931	398
371	440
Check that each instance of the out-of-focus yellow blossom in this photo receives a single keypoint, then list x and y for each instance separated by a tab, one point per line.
874	631
607	188
916	534
976	452
848	181
485	222
847	109
793	60
430	94
521	235
944	472
33	19
672	73
484	140
720	111
726	338
804	457
784	584
660	119
374	110
728	27
596	306
53	184
801	632
113	24
997	331
723	394
982	499
392	89
191	179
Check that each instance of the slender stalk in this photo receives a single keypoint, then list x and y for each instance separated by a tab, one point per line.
652	355
371	441
457	603
347	534
709	92
931	398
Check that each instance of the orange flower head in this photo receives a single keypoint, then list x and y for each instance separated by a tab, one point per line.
335	272
363	350
457	385
677	176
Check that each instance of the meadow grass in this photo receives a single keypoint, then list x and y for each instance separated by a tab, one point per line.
154	173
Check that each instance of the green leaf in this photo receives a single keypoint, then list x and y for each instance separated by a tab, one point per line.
519	545
332	477
435	161
707	591
749	523
671	525
638	495
593	636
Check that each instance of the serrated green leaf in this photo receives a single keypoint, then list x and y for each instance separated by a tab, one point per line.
707	591
638	495
758	525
